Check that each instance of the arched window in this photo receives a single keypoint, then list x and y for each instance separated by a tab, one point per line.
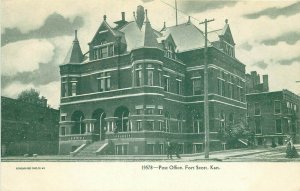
99	125
78	127
122	122
197	120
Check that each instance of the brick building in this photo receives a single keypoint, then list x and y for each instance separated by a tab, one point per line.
28	128
254	84
136	87
273	116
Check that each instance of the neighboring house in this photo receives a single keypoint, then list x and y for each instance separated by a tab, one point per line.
273	116
28	128
136	87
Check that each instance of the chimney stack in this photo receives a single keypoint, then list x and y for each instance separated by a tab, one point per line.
265	83
140	16
123	16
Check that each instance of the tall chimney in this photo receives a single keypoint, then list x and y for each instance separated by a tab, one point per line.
140	16
123	16
265	83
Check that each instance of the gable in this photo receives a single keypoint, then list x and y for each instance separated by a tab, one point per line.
227	35
171	41
104	34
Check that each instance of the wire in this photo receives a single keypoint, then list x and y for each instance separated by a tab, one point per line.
211	30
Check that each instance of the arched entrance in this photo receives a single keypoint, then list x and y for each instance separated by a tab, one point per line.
99	115
78	118
122	122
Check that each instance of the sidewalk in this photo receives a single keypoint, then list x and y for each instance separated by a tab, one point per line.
214	156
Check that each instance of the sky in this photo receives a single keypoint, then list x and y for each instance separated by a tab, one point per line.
36	35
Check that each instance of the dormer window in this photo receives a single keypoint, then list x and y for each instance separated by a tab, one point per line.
228	49
104	50
170	51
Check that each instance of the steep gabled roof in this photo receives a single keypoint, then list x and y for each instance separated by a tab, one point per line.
224	33
137	37
114	32
74	55
168	38
186	36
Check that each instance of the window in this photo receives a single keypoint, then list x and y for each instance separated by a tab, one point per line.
160	125
159	79
198	147
110	50
138	111
150	77
74	88
150	125
170	51
161	149
139	76
222	121
197	86
179	123
277	107
257	109
160	111
278	126
105	50
248	107
150	111
197	124
64	91
107	83
293	126
63	118
242	95
178	86
258	129
166	84
101	85
104	82
221	87
139	125
231	118
167	121
179	126
63	131
230	87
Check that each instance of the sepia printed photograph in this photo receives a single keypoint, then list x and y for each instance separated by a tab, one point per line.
168	87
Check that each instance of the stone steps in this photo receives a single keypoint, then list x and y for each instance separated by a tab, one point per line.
90	150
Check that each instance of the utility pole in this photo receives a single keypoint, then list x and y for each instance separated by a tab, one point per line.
176	12
206	111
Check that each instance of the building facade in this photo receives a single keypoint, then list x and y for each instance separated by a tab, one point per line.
254	84
28	128
274	116
136	87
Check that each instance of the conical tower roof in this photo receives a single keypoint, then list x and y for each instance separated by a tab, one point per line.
74	55
150	39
